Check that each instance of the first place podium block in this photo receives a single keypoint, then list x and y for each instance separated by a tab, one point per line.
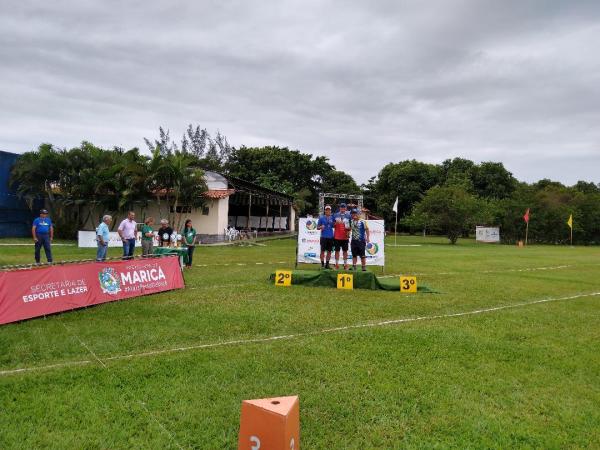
270	424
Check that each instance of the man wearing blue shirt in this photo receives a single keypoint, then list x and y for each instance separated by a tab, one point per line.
43	234
325	225
343	213
102	237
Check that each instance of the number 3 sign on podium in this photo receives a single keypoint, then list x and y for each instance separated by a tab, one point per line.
408	285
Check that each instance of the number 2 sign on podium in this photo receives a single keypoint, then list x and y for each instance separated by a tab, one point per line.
283	278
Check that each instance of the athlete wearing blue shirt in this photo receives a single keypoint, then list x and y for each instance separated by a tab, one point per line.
360	237
43	234
343	213
325	225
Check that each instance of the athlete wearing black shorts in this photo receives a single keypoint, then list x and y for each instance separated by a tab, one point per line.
360	236
326	244
340	244
325	226
358	248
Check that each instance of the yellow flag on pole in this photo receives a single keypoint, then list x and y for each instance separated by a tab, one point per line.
570	221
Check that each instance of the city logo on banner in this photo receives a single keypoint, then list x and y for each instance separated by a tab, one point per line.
372	248
311	224
109	281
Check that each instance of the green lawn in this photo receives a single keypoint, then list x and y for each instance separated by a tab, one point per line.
521	377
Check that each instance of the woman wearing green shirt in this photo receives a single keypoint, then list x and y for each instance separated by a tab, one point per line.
189	240
147	236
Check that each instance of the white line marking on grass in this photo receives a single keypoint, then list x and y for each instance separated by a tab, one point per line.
530	269
347	327
527	269
84	345
142	404
299	335
404	245
216	286
153	417
242	264
82	362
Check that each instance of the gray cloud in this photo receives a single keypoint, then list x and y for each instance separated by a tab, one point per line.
364	83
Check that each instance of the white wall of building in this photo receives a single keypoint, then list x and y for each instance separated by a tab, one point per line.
212	219
212	223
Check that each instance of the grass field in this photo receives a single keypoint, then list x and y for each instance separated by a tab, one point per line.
142	373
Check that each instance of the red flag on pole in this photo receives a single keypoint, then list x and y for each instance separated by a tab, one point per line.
526	216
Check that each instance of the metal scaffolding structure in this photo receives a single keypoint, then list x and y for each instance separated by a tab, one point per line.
324	195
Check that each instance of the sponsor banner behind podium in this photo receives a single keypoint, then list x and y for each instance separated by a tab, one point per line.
37	292
309	247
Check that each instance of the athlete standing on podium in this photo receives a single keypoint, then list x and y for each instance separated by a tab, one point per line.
360	239
325	225
341	232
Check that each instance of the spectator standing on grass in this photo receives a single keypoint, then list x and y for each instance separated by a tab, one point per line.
127	231
147	236
189	240
43	234
360	238
164	233
102	237
325	225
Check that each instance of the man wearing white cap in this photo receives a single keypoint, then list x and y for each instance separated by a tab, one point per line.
325	225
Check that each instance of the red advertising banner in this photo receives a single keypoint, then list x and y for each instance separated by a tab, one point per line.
37	292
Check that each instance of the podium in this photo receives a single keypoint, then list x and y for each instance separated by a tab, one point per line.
270	424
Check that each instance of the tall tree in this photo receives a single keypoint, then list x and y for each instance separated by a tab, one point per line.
285	170
407	180
450	209
178	181
211	153
164	143
491	180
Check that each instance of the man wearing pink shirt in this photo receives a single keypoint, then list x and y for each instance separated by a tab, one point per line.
127	231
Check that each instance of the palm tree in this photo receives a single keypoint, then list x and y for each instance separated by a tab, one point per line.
178	179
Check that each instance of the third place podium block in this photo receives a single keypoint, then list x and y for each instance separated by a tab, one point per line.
270	424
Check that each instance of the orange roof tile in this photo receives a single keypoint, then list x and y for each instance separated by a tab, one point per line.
218	193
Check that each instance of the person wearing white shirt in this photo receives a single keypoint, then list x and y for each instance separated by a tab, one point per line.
127	231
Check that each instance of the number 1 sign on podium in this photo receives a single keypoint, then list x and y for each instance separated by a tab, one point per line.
345	281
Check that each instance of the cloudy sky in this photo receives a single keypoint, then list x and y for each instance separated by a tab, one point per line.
362	82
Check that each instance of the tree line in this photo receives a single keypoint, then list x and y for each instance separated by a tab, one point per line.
450	198
453	197
87	181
